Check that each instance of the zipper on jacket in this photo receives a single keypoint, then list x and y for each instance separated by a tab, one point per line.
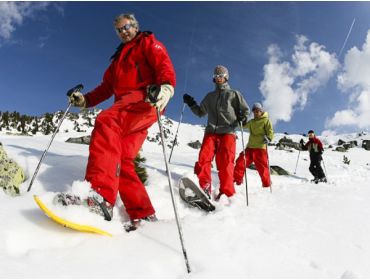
217	111
138	72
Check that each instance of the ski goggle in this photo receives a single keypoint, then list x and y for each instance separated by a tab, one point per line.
123	28
223	75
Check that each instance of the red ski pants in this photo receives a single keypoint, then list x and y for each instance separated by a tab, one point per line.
259	157
223	147
117	137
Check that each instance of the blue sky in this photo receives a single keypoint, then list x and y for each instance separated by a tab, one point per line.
282	54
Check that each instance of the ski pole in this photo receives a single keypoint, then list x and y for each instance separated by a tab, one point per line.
268	164
153	93
245	163
326	173
72	90
297	162
175	141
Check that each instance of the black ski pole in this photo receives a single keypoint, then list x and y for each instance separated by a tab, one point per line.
245	163
72	90
153	92
296	165
175	141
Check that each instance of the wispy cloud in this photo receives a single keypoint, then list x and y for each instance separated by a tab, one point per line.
288	84
355	81
13	14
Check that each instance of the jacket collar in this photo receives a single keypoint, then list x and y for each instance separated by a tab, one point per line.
224	86
138	36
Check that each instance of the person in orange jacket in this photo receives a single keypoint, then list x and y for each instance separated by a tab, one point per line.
119	132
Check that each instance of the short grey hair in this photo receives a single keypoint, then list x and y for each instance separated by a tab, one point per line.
130	17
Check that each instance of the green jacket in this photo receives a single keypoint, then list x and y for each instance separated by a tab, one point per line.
258	128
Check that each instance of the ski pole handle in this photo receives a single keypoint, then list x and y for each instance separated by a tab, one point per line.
77	88
153	91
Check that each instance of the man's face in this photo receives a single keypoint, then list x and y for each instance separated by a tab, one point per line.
125	30
311	135
219	78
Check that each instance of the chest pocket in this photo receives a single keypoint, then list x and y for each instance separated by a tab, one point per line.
129	72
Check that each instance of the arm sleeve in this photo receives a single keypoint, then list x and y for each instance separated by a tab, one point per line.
160	61
200	110
269	130
101	92
243	105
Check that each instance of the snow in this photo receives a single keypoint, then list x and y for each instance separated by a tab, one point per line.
300	230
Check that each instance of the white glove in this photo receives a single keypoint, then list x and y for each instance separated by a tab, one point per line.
77	99
164	95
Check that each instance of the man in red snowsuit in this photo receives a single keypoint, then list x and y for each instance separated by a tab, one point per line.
225	108
119	132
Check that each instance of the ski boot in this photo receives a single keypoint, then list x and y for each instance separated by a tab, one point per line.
135	223
94	202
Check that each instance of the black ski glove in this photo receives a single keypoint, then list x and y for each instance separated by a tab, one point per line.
266	140
189	100
242	119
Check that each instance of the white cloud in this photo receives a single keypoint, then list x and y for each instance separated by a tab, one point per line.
13	14
355	81
287	84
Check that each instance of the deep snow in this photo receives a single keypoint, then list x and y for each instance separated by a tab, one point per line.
300	230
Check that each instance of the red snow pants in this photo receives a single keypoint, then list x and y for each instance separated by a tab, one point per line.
259	157
223	147
117	137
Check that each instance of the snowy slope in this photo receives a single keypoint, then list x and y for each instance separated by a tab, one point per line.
299	230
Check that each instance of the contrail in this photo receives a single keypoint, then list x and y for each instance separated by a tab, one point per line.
349	33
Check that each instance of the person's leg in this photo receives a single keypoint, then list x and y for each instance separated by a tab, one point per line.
225	156
103	165
320	171
239	168
260	160
202	167
132	191
313	169
111	125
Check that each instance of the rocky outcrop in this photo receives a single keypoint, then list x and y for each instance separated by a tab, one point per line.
11	174
195	144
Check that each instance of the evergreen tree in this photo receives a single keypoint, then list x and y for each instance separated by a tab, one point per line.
140	170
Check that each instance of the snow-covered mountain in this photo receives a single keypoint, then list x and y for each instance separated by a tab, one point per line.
300	230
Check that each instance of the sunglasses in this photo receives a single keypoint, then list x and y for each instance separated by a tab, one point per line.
219	76
123	28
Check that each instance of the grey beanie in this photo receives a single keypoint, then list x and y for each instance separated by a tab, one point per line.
220	69
257	106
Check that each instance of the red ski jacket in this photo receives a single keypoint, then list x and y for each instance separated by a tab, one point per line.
136	64
315	147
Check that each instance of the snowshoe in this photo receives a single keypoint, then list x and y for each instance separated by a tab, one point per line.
323	180
315	180
134	224
94	202
194	196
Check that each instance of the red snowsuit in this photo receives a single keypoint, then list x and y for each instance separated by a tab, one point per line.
223	147
120	130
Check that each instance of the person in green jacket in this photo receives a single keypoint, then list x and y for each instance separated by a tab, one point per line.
261	132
